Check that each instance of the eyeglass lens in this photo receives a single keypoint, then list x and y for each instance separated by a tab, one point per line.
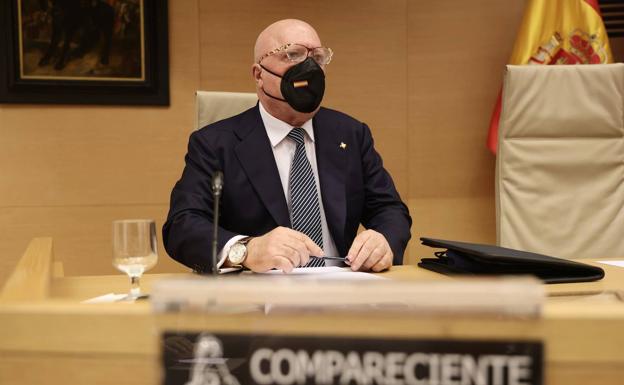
298	53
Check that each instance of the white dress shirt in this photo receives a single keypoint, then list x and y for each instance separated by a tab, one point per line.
283	152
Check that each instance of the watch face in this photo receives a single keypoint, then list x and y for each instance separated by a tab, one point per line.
237	253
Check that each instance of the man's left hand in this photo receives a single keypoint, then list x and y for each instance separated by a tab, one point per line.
370	251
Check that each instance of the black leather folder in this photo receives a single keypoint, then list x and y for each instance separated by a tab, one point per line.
475	259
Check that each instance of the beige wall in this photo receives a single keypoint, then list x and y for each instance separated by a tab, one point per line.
422	74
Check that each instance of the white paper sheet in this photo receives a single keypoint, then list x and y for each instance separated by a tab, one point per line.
311	270
106	298
327	272
613	263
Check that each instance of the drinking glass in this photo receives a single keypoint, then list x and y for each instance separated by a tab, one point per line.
134	250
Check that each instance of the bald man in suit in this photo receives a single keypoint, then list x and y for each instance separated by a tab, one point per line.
258	152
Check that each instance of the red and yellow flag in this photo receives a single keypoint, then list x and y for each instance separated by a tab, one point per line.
557	32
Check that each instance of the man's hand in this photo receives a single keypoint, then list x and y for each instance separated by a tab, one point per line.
281	248
370	251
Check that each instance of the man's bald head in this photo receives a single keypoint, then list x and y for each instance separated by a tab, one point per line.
285	31
268	82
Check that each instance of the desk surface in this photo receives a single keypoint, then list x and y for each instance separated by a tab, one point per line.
58	339
601	294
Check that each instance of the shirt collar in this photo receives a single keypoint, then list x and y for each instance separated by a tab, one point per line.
277	130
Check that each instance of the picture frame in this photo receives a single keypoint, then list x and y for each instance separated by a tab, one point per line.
104	52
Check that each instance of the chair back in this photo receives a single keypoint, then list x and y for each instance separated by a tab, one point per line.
560	161
213	106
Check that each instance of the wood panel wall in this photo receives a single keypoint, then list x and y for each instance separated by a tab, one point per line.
423	75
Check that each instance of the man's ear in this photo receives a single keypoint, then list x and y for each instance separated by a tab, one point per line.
256	72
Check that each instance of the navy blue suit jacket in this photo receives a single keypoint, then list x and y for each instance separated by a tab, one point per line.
355	187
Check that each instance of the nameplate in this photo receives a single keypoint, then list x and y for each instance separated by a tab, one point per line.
232	359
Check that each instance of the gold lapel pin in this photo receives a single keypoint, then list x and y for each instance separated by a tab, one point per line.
343	145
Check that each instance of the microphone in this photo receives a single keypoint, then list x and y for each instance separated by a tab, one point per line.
217	187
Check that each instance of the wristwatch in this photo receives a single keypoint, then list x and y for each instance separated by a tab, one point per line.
238	252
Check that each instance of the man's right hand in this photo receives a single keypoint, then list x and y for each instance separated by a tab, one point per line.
281	248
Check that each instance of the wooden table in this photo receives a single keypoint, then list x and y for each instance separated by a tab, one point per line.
48	337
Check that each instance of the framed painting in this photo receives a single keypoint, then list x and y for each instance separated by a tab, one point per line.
84	52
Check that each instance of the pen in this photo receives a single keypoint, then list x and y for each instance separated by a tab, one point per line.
342	259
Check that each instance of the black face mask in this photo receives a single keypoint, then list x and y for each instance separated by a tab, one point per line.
303	85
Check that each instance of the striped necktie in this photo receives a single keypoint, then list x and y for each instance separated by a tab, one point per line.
304	199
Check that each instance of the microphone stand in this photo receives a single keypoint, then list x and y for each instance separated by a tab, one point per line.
217	186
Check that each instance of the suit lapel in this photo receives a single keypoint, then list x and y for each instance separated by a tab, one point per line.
255	155
331	159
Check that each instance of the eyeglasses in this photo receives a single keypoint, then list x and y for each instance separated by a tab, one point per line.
297	53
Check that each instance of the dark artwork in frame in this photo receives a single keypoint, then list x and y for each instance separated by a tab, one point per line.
111	52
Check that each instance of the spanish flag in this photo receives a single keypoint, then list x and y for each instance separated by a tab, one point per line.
557	32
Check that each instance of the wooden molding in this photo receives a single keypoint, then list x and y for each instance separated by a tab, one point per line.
30	280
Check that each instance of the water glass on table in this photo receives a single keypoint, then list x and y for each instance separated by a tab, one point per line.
134	250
